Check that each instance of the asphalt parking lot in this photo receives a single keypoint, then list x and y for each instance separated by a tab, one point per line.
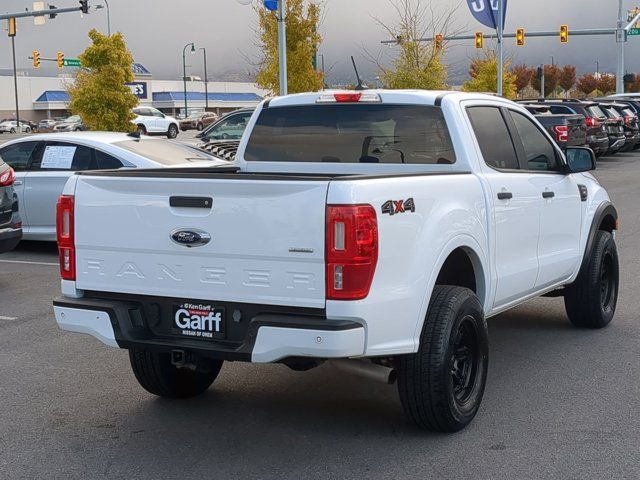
560	403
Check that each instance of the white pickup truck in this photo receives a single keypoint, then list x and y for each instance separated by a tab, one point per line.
375	230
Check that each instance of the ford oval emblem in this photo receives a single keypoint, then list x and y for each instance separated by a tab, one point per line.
190	237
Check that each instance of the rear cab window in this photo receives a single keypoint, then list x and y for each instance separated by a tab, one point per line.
351	133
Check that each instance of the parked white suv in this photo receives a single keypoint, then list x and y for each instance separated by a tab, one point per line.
376	230
151	121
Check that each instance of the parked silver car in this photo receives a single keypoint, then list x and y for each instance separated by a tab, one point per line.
44	162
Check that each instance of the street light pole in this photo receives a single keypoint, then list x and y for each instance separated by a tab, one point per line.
500	44
184	73
15	82
621	38
206	80
108	17
282	45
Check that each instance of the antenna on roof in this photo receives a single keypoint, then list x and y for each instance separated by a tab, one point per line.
360	86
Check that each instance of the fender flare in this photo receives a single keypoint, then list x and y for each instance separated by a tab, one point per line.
460	241
604	209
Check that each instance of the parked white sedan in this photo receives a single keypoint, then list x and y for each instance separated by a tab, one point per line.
43	163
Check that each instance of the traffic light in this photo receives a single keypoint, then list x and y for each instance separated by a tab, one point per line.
520	37
60	60
439	39
479	39
84	6
36	59
13	27
564	33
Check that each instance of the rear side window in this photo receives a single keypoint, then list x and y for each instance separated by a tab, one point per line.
595	111
493	137
18	155
105	161
64	156
352	133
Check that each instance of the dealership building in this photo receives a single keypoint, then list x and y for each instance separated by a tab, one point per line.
46	97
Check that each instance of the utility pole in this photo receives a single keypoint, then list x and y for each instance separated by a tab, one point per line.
500	44
282	44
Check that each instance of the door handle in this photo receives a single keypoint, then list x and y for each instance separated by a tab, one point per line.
505	196
548	194
17	182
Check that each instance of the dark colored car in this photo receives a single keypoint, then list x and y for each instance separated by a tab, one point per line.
615	128
597	137
229	127
10	223
568	130
198	121
629	122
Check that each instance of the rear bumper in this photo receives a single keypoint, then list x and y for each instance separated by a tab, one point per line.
9	238
260	336
616	142
598	144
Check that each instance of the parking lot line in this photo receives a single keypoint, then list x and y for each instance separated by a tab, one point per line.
2	317
29	263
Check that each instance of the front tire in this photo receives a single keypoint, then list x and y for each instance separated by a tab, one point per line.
591	300
13	130
172	132
157	375
200	127
441	386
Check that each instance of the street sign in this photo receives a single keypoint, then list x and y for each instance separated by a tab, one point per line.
71	62
634	31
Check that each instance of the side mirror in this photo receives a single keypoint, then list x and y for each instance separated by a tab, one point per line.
580	159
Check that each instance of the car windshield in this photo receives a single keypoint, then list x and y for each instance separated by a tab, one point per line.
73	119
351	133
165	152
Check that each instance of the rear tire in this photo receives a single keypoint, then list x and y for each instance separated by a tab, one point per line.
591	300
200	127
172	132
441	386
142	130
157	375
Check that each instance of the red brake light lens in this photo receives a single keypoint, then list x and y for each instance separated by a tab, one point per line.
351	251
592	122
347	97
65	230
562	133
7	178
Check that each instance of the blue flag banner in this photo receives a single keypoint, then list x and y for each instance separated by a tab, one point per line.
486	12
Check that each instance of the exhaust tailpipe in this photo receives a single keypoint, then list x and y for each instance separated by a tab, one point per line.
367	369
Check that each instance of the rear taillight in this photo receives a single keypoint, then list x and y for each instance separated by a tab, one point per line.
351	251
7	178
629	120
592	122
562	133
65	230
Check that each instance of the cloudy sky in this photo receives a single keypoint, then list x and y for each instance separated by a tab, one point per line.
156	31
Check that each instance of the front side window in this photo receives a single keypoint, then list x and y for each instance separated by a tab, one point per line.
539	152
493	138
231	127
352	133
18	155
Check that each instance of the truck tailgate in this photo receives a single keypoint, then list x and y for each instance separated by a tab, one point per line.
266	237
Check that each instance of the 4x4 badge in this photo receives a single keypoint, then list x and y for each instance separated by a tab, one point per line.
399	206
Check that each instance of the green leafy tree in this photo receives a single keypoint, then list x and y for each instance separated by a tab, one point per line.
100	94
484	76
418	64
303	41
